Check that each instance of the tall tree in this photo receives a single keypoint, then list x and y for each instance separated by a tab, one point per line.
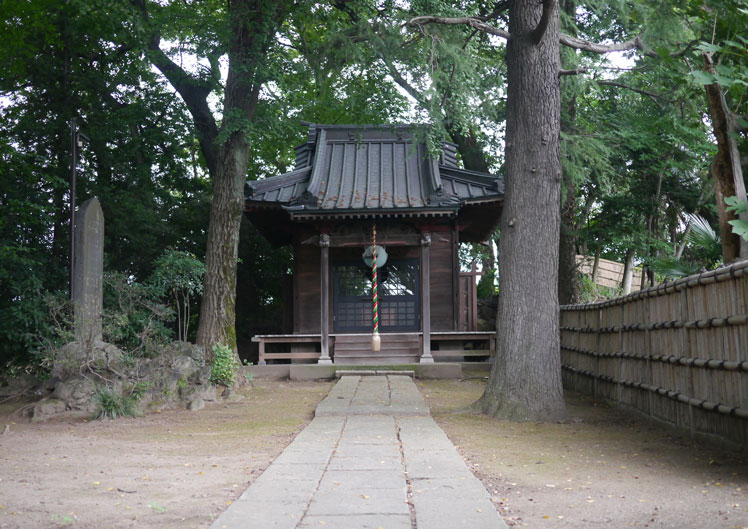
60	63
248	29
525	382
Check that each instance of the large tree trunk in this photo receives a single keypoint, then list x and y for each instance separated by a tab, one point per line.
251	29
726	169
253	25
525	382
217	309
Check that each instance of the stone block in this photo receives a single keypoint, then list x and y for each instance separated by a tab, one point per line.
207	394
196	404
88	271
359	521
469	505
441	370
201	377
44	409
273	371
311	372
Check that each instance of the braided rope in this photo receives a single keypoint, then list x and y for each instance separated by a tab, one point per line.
375	283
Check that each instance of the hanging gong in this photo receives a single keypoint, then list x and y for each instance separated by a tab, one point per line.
381	256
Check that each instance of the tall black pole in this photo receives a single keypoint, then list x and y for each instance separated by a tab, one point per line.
73	163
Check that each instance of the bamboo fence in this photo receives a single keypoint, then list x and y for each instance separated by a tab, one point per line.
677	352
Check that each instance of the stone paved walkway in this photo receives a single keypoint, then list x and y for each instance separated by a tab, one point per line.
372	458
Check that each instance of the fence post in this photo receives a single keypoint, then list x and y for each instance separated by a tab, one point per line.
686	351
621	362
648	351
598	350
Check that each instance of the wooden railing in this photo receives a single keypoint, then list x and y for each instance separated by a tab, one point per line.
479	344
677	352
263	339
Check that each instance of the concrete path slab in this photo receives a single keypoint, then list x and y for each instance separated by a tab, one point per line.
372	458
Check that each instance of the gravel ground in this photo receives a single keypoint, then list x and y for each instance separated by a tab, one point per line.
602	468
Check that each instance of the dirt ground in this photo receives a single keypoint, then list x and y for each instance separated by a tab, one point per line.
602	468
174	469
179	469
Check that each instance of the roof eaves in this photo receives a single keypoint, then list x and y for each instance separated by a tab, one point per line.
482	200
319	160
301	212
491	182
276	182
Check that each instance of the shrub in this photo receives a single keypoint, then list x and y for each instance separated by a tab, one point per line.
113	404
178	277
134	319
224	367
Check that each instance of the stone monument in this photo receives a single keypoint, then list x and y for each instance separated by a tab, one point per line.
88	271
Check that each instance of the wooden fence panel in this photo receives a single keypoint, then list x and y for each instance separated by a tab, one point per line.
677	352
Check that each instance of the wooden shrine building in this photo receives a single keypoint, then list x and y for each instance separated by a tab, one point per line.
346	180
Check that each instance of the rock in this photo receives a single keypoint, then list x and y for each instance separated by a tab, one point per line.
201	377
18	385
44	409
184	365
70	357
170	383
177	349
67	360
207	394
76	393
108	352
196	404
234	397
49	384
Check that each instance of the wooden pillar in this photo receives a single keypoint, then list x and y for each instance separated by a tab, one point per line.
426	357
261	359
324	296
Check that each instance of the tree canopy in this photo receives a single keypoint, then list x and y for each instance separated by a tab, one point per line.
182	101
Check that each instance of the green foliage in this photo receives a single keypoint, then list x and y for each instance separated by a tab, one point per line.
739	226
637	152
113	404
139	389
224	366
177	272
134	319
704	238
589	291
248	375
671	268
178	276
705	250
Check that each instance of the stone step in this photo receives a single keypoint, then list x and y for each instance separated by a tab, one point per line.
372	372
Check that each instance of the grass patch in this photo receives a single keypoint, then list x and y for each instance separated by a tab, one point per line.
112	404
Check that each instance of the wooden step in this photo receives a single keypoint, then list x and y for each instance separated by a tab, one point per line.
386	338
396	348
373	360
367	346
369	352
